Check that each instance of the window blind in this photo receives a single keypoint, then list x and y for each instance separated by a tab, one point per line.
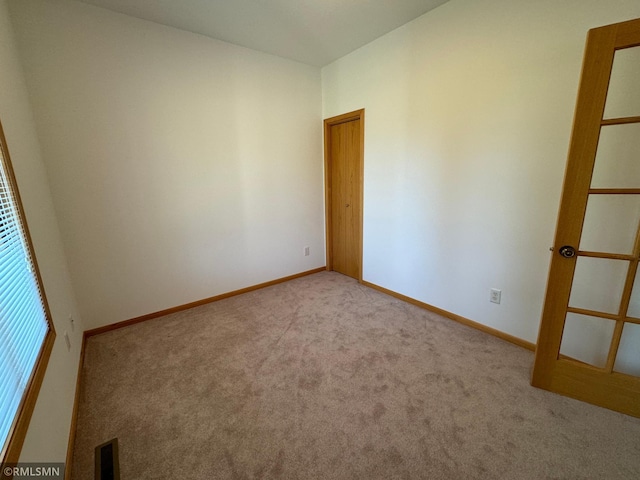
23	320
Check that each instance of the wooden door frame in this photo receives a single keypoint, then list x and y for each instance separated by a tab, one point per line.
328	123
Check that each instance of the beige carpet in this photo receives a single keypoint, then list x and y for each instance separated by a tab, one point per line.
323	378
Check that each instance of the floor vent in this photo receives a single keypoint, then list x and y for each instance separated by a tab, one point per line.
107	464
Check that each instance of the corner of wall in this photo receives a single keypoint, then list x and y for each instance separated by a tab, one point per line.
48	433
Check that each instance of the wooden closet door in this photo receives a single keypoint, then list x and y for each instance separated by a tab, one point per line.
343	163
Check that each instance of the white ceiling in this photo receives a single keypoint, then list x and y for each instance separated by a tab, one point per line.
315	32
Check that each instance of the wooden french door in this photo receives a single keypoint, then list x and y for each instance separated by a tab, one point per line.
344	136
589	342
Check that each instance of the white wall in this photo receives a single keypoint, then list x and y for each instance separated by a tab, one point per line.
468	117
181	167
49	429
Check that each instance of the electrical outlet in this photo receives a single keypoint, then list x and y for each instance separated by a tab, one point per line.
72	322
306	251
67	340
496	295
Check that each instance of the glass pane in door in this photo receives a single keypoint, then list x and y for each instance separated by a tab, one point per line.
598	284
628	358
617	158
611	223
634	302
623	96
587	339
